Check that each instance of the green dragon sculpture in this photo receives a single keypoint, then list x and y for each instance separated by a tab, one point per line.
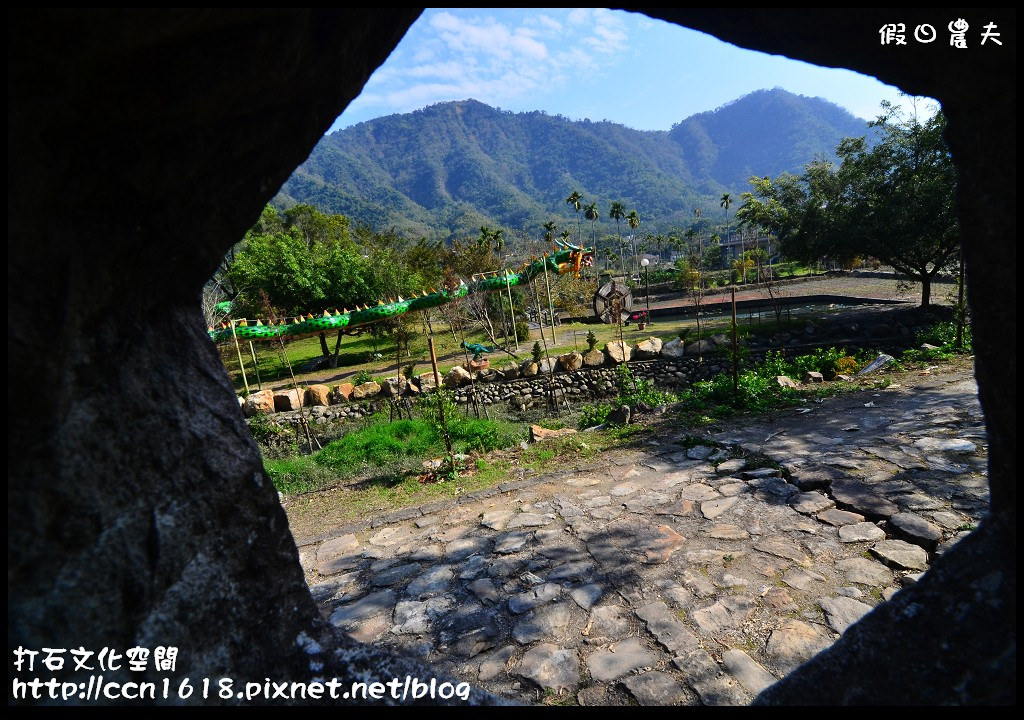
569	258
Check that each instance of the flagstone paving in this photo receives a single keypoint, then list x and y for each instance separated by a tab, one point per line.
676	571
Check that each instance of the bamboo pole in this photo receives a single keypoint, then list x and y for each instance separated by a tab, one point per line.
511	310
238	349
735	354
255	365
551	307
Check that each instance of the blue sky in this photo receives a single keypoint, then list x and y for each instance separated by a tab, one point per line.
588	63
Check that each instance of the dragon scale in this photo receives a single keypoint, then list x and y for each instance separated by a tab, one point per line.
568	259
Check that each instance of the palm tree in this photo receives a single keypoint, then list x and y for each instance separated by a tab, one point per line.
633	220
485	236
549	232
576	201
726	202
591	213
617	213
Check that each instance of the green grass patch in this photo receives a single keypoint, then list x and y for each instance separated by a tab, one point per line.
388	449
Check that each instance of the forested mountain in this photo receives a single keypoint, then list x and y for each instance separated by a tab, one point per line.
449	168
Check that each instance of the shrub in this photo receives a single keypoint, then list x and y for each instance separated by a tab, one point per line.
633	391
263	428
522	330
591	340
537	352
846	366
363	376
943	334
593	415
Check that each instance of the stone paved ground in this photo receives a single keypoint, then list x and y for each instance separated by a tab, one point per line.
669	573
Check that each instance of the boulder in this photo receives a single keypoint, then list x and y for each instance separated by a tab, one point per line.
547	365
538	433
285	400
365	390
318	395
786	382
700	347
457	377
649	348
341	393
511	372
571	361
593	358
618	351
674	348
426	381
620	416
529	368
721	340
813	377
259	402
393	386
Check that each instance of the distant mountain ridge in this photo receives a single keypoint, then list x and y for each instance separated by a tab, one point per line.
447	169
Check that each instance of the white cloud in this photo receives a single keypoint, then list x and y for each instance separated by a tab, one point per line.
494	56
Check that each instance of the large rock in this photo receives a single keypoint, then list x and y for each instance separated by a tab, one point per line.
394	387
701	347
649	348
341	393
618	351
538	433
786	382
619	416
365	390
318	395
571	361
547	365
529	368
674	348
288	400
457	377
259	402
593	358
510	371
427	382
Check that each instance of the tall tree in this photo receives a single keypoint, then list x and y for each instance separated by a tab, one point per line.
617	212
633	220
591	213
893	200
576	200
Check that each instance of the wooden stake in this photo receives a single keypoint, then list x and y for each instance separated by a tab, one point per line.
433	362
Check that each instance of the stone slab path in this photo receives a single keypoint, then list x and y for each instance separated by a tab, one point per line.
680	571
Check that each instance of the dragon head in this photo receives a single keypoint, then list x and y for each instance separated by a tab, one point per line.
571	258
